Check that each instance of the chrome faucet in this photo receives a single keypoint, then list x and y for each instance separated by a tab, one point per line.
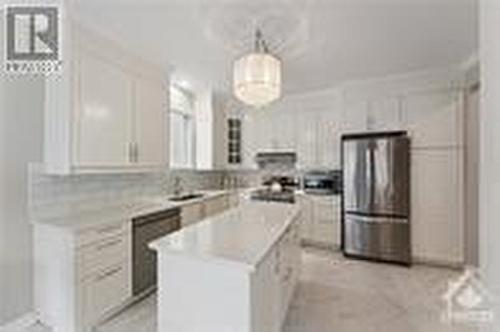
177	186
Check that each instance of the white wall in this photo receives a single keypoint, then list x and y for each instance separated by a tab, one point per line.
472	175
204	129
21	102
490	147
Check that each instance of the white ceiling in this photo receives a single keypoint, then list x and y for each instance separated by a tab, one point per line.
322	42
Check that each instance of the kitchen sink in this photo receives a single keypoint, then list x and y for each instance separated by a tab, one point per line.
185	197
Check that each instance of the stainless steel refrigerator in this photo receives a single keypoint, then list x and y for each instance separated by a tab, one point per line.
376	197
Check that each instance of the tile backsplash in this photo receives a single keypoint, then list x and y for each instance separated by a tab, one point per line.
49	190
91	190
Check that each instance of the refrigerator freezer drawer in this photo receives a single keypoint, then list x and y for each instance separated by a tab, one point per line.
385	239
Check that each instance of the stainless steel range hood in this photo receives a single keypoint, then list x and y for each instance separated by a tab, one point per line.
286	159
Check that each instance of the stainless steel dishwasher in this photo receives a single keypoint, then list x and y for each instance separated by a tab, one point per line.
148	228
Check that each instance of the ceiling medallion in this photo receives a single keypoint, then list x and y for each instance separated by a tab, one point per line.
257	75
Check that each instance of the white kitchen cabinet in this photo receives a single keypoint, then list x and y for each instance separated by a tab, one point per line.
355	116
250	140
104	292
282	131
197	211
274	281
306	141
327	141
151	122
216	205
437	206
105	117
106	110
243	288
385	115
81	276
306	209
434	120
192	213
266	292
321	220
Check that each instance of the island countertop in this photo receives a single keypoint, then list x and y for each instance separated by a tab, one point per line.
240	236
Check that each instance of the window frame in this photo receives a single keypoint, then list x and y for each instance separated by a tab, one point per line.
188	117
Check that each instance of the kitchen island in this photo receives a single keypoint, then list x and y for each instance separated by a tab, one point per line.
234	272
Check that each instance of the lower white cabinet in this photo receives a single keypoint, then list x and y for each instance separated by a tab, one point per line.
216	205
275	279
197	211
192	213
321	221
81	276
104	291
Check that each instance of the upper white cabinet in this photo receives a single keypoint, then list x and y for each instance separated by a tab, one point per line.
151	123
104	116
434	119
106	111
385	115
355	116
306	142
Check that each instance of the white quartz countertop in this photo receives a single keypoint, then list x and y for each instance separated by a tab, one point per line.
240	236
76	217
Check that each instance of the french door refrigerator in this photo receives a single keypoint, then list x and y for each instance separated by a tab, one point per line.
376	196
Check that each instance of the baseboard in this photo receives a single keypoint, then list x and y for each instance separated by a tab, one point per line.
319	245
438	263
20	324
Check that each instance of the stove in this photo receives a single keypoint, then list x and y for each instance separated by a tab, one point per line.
268	195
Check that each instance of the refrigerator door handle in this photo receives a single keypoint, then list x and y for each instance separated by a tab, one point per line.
378	219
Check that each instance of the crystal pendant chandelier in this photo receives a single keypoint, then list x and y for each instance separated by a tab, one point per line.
257	75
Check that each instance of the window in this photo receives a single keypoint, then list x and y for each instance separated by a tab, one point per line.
182	128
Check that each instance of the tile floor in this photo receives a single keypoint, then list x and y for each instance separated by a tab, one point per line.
339	295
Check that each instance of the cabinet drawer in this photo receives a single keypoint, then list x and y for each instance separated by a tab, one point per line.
97	234
105	291
101	255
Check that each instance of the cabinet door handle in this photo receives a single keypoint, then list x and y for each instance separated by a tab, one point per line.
109	273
